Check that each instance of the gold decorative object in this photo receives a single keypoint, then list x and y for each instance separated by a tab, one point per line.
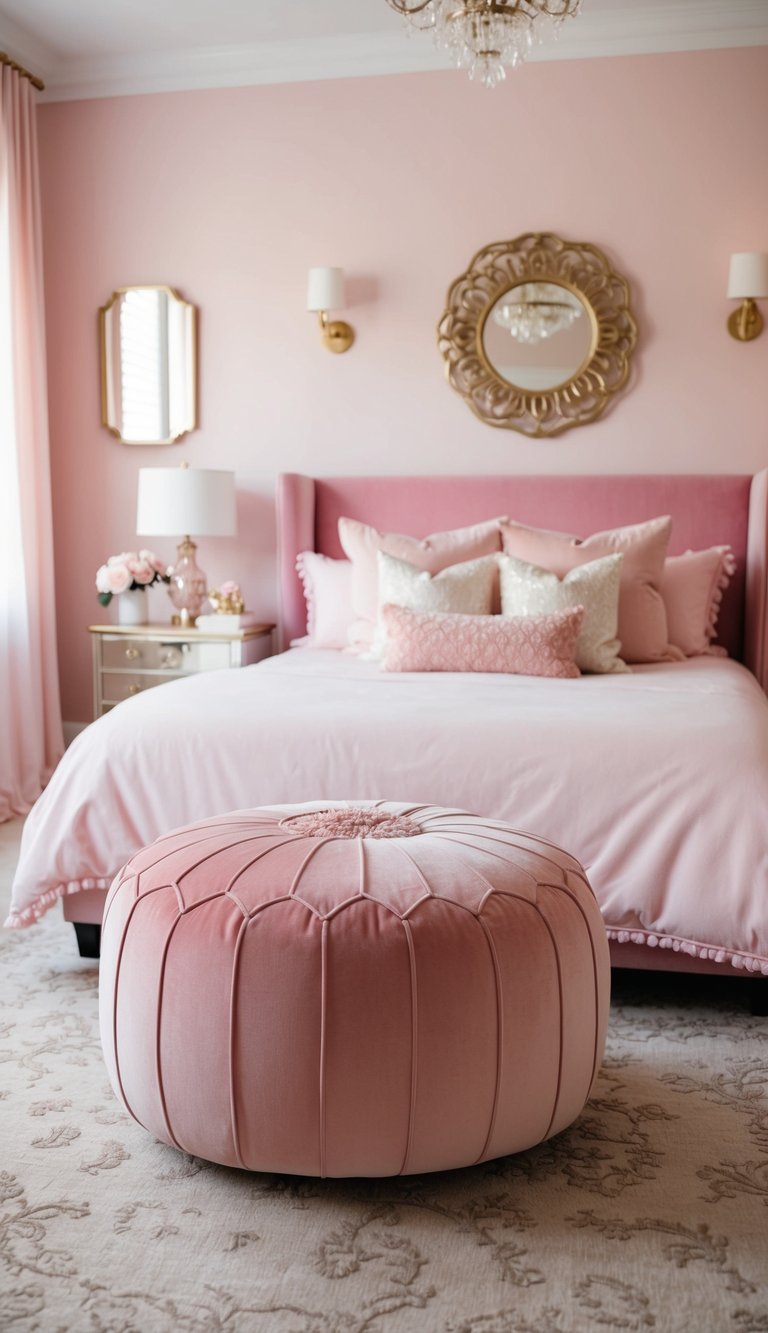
227	600
5	59
148	340
747	282
325	291
485	36
538	334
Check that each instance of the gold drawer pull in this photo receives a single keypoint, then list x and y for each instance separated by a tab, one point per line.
132	654
134	689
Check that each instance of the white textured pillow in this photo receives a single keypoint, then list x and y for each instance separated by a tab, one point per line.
528	590
466	588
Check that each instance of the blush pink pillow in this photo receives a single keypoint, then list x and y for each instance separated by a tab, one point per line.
328	593
642	627
692	588
519	645
362	543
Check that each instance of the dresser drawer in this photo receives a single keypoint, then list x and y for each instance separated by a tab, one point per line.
175	656
119	685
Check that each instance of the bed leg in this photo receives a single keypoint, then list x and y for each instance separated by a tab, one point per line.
88	939
758	996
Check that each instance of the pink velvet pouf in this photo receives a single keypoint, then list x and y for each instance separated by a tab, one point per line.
352	990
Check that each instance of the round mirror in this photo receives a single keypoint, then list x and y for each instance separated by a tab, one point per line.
538	335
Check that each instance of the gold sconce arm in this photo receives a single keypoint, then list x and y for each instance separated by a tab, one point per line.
746	322
338	336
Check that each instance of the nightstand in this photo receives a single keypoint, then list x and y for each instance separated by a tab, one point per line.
128	659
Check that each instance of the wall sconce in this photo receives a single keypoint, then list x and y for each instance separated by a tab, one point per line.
325	291
747	282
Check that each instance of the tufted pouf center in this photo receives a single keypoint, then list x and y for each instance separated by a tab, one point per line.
314	989
352	822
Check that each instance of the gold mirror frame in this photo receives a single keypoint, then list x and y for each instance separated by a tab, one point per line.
538	257
109	393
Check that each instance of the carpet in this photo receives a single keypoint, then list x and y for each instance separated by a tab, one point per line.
651	1212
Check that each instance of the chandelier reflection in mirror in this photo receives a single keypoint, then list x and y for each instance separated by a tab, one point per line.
486	36
539	310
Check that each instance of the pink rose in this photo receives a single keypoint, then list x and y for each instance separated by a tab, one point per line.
122	559
228	589
118	578
150	558
142	571
102	579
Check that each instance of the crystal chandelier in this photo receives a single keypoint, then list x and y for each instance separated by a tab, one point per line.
539	310
484	36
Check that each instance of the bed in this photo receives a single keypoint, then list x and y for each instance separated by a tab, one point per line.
657	780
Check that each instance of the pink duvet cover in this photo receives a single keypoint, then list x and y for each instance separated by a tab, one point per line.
657	781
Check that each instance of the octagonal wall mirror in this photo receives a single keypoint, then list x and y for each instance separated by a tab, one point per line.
538	334
148	338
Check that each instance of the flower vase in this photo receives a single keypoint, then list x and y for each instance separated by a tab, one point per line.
132	607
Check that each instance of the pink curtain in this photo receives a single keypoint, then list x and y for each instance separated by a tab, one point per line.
30	719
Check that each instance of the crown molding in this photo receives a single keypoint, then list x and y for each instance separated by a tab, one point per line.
640	28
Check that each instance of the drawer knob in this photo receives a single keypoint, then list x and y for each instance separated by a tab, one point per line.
134	689
132	654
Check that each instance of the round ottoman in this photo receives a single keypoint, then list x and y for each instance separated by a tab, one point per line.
365	989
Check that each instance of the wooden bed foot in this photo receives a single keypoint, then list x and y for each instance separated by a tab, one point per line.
88	939
757	995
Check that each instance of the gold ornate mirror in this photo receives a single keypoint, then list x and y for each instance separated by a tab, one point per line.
537	335
148	341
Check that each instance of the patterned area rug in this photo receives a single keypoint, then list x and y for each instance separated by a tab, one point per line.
650	1213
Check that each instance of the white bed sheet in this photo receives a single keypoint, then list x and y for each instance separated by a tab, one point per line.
657	781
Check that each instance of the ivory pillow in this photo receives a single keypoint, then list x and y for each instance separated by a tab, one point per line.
361	544
642	614
517	645
466	588
528	590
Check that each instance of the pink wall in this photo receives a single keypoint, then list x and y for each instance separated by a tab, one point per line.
230	195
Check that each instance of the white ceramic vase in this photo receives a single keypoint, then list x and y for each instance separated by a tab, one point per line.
132	607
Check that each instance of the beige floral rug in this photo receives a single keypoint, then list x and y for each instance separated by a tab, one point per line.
650	1213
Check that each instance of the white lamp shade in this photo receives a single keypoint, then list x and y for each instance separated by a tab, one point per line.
748	276
325	289
185	501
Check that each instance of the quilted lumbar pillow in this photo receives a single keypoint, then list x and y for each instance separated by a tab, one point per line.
529	590
518	645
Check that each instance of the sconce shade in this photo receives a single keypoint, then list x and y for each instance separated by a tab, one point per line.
325	289
748	277
199	502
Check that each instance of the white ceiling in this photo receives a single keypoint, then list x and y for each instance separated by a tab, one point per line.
94	48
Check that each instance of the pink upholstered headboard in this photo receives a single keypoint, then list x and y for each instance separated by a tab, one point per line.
706	511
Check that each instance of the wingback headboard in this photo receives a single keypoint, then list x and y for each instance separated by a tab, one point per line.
706	511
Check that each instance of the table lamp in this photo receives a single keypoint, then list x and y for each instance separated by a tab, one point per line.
174	500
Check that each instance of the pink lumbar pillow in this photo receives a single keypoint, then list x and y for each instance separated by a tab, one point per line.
519	645
642	628
361	543
328	593
692	588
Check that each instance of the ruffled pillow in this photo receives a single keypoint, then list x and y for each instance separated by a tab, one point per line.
328	593
518	645
692	588
528	590
361	543
642	625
